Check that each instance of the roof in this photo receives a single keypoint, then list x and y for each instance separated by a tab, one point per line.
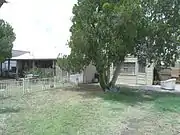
38	56
16	53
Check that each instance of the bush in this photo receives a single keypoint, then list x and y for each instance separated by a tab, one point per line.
40	73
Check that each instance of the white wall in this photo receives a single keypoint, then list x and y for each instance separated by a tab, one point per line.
89	73
5	65
150	74
127	78
138	78
75	76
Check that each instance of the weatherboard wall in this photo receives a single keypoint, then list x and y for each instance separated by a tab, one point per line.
137	78
124	78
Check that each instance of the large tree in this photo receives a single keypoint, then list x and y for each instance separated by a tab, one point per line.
7	38
2	2
106	31
159	32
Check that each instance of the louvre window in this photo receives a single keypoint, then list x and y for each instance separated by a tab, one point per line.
128	68
142	68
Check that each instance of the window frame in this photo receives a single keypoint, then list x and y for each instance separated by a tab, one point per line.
130	69
141	68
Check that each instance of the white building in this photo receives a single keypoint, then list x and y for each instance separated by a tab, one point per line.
134	73
131	72
10	65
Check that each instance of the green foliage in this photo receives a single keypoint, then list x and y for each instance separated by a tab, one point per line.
104	36
159	32
7	38
106	31
72	63
35	71
98	33
64	63
40	73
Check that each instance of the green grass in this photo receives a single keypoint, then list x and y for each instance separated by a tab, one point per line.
89	111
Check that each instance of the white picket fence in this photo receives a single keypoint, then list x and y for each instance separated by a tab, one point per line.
23	86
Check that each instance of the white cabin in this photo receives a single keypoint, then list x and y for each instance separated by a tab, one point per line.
131	73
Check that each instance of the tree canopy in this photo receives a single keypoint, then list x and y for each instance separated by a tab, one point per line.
2	2
159	32
106	31
7	38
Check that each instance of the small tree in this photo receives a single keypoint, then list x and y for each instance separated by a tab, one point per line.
7	38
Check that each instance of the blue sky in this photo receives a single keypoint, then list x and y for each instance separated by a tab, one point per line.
40	25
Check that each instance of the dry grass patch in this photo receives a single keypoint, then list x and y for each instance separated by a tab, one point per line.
87	111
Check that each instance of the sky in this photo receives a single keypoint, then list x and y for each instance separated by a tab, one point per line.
41	26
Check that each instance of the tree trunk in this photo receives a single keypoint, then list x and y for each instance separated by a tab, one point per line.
103	80
108	76
104	77
1	69
115	75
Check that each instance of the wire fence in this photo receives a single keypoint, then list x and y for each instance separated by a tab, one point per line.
14	93
10	88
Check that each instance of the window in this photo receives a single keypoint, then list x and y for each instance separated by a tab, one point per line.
142	68
128	68
13	69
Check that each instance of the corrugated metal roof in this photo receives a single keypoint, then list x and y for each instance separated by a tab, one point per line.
16	53
30	56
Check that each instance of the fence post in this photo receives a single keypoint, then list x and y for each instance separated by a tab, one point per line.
54	82
23	85
68	77
29	85
42	83
7	90
77	81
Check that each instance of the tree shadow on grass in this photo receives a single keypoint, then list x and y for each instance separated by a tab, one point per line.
163	101
4	98
9	110
9	105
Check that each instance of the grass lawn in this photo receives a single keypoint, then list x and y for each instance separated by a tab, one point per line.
89	111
